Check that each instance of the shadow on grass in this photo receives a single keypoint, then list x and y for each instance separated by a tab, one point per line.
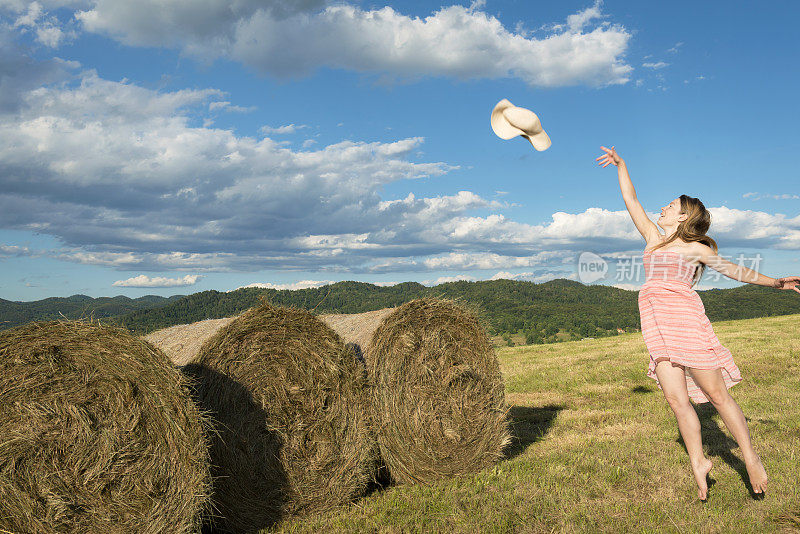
718	443
529	425
642	389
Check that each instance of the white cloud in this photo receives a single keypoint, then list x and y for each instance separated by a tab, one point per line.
656	65
124	177
295	38
302	284
446	279
286	129
533	277
758	196
7	251
227	106
505	275
47	29
675	48
158	281
755	228
118	173
29	17
19	73
484	260
580	20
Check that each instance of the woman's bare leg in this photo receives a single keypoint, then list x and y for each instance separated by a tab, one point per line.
713	385
673	383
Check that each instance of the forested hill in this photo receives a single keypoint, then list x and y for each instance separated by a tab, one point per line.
75	307
539	311
551	311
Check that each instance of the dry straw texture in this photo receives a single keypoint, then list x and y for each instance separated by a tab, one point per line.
289	401
356	329
438	396
97	434
182	343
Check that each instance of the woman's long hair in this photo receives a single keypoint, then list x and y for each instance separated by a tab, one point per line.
694	228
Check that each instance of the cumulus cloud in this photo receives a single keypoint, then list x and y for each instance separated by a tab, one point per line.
47	29
484	260
7	251
124	177
19	73
302	284
747	228
655	65
158	281
120	175
446	279
285	38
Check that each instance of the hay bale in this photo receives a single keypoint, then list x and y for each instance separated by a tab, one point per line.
181	343
356	329
289	402
438	396
97	434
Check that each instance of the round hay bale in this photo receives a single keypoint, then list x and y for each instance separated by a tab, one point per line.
356	329
438	396
288	399
98	433
181	343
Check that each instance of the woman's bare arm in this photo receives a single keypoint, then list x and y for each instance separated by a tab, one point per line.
646	227
738	272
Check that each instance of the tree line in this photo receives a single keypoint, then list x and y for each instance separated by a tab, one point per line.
553	311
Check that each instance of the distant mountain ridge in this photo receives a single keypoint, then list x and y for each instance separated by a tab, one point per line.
552	311
77	306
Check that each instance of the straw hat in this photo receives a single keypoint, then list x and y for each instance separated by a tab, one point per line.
510	121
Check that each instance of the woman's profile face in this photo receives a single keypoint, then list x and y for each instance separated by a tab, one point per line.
670	213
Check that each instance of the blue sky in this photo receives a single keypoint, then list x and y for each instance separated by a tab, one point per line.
151	148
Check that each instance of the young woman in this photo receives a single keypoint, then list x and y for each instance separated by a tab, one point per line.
686	358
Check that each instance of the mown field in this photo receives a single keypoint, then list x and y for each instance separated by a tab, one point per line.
597	449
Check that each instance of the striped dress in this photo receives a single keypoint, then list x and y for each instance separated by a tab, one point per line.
674	322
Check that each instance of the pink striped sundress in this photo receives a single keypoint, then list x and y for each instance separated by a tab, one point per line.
674	322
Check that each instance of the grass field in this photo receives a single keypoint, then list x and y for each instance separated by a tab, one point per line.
597	449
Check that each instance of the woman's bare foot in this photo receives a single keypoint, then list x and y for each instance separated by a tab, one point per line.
701	471
758	475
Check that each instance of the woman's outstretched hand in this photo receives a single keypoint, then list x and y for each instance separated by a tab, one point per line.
609	157
787	282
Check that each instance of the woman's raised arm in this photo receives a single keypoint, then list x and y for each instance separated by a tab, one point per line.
646	227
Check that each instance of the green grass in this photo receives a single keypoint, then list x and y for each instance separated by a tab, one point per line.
597	449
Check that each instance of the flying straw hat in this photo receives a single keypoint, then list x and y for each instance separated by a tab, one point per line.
510	121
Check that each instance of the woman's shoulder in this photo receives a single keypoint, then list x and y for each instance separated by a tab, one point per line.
691	252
